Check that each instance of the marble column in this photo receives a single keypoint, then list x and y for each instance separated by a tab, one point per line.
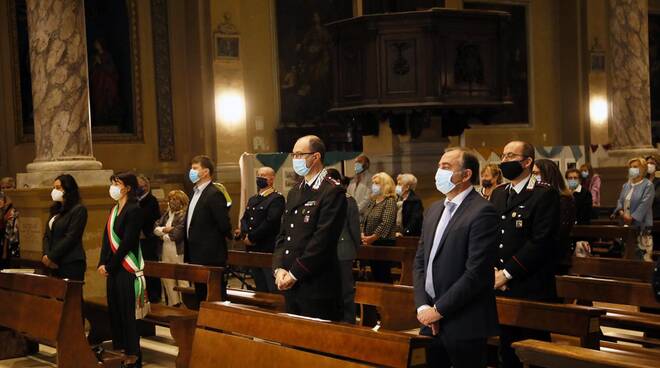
60	92
628	75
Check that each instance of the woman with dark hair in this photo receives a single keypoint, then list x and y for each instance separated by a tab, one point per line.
546	171
122	264
63	250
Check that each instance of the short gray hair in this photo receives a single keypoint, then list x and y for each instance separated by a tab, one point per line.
408	179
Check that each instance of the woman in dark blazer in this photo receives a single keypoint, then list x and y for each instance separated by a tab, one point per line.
122	264
63	250
412	210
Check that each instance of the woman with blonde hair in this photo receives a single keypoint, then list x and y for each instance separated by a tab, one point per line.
379	221
491	178
171	230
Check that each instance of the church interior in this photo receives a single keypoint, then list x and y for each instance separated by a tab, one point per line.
96	89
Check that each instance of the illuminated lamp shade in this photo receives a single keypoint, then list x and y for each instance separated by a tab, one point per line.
598	110
230	107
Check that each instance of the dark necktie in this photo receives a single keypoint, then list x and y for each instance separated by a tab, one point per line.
511	197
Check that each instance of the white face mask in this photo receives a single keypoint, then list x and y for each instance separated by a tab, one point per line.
115	192
443	181
399	190
57	195
651	168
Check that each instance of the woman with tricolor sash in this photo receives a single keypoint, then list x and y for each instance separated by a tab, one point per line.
122	264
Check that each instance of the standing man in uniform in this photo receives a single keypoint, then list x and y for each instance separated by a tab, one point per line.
207	221
528	234
305	258
148	241
260	225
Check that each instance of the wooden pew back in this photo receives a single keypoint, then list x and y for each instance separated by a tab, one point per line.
609	232
623	269
211	276
229	332
606	290
48	310
407	242
396	306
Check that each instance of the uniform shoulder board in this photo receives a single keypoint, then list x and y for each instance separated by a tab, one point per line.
331	180
542	184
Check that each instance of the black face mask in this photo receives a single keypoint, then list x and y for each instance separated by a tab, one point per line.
511	169
262	182
486	183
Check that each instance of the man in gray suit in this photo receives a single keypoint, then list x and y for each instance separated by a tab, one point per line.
453	271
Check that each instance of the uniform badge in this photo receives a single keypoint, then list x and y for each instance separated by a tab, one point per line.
519	224
310	204
306	219
513	214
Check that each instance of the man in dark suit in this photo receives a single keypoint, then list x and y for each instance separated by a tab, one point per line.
148	241
207	221
453	271
527	235
260	225
305	258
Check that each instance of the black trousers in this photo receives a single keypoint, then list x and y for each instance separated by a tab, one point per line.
72	271
150	253
509	335
347	291
263	279
329	309
445	352
121	307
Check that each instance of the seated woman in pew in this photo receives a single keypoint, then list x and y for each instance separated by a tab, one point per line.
583	201
63	250
379	222
635	204
170	229
122	264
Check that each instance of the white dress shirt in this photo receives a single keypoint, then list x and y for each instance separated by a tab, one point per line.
197	192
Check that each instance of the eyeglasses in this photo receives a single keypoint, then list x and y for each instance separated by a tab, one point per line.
511	155
301	154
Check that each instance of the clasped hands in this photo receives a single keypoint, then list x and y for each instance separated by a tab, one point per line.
500	280
284	280
48	263
431	318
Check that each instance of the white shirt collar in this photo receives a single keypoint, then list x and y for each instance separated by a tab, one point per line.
460	197
520	186
636	184
312	181
200	188
578	189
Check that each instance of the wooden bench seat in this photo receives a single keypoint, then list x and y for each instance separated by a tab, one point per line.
48	310
549	355
238	336
180	321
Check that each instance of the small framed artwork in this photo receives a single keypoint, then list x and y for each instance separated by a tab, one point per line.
227	47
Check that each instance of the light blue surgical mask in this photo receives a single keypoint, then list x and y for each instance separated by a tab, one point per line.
573	183
300	166
399	190
585	174
375	189
443	181
633	172
358	168
193	175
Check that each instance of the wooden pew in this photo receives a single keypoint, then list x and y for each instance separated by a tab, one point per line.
180	321
396	307
407	242
403	255
549	355
622	269
48	310
609	232
240	336
639	294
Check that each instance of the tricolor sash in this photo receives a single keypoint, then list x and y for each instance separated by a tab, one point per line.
133	263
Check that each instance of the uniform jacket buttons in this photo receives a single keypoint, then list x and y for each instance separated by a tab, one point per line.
288	238
286	251
501	246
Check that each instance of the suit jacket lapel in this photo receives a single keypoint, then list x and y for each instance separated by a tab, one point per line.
430	235
201	199
455	218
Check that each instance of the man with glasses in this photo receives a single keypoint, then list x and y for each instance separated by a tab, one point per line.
528	234
305	259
